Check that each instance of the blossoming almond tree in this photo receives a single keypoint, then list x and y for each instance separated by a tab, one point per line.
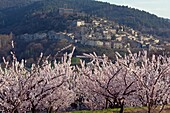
153	79
104	84
12	91
60	79
43	86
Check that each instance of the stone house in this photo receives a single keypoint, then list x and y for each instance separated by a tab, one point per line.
107	44
117	45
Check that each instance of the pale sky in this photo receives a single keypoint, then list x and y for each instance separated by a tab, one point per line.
161	8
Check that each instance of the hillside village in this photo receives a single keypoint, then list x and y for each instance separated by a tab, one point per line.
99	32
95	32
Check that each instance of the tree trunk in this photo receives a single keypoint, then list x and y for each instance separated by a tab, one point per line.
106	106
50	109
33	110
15	111
149	108
122	107
162	107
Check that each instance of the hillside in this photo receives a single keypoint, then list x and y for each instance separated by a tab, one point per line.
15	3
15	18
